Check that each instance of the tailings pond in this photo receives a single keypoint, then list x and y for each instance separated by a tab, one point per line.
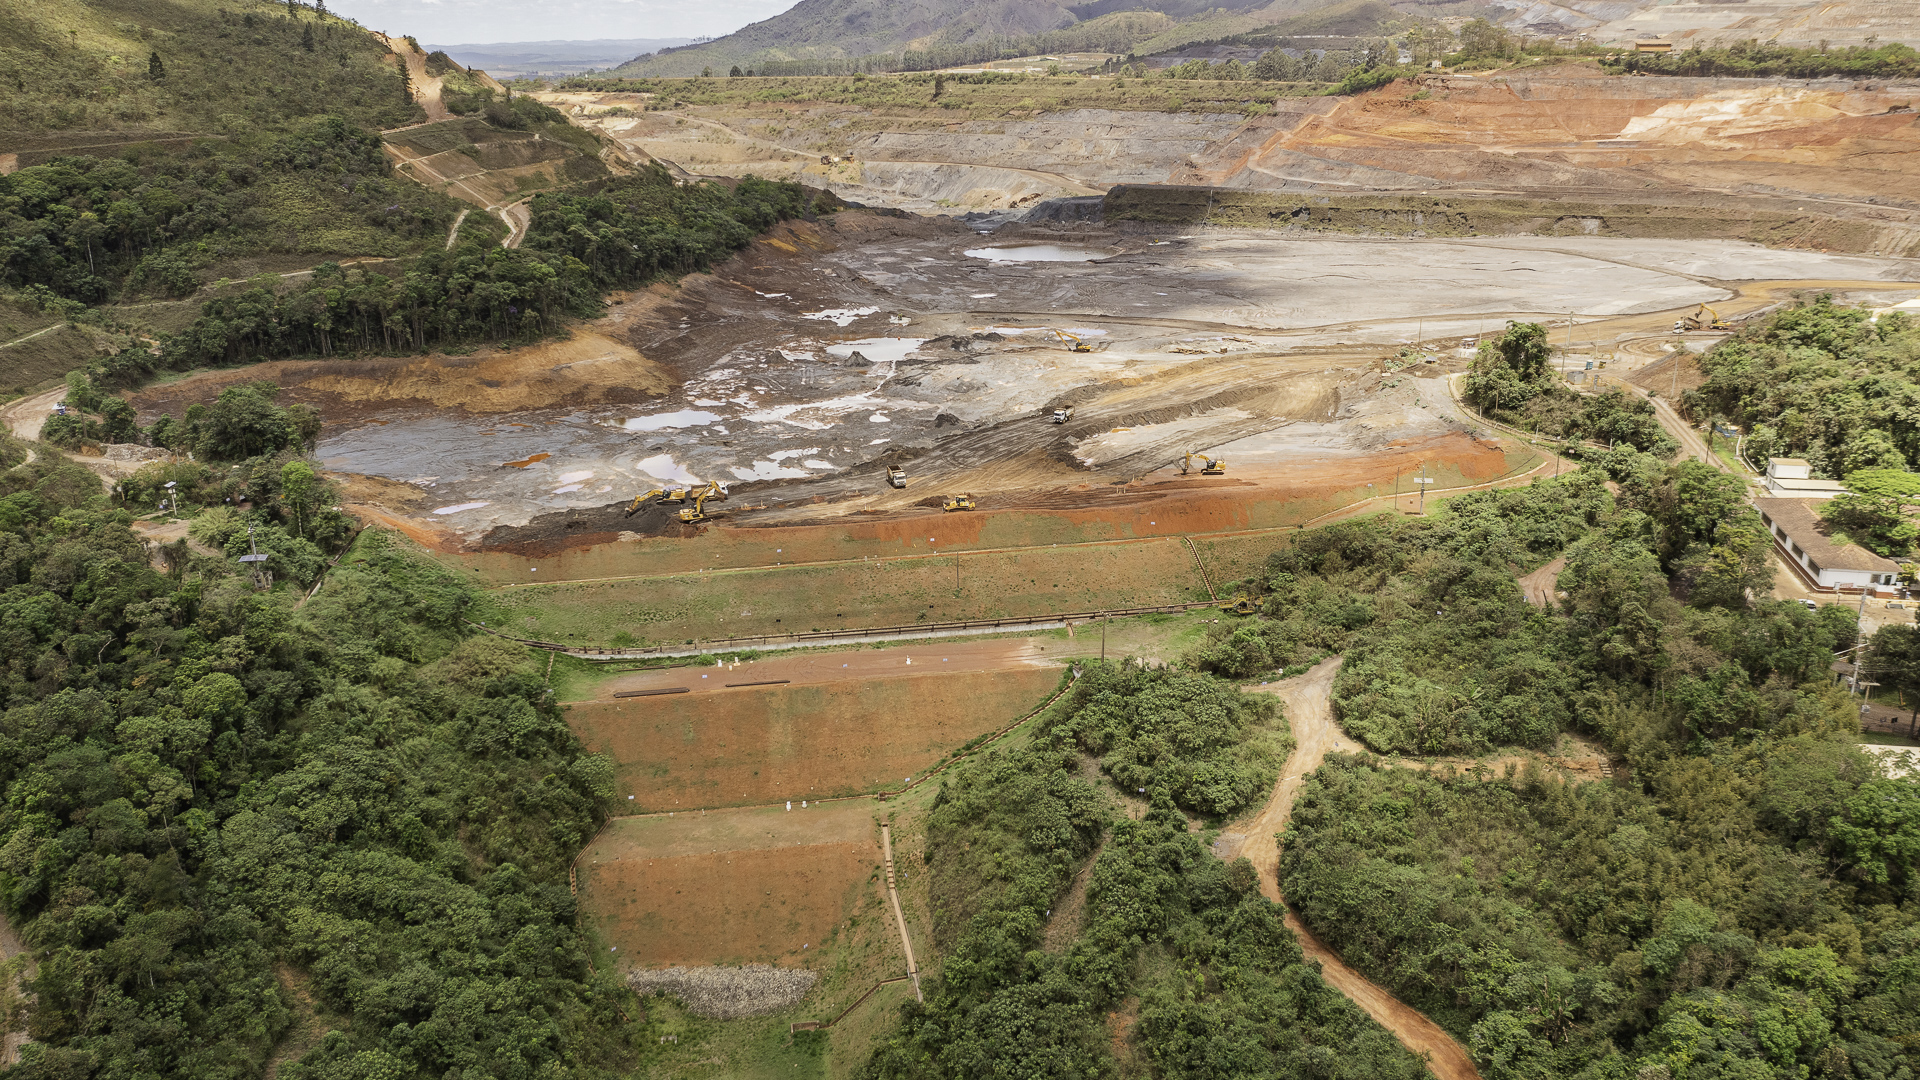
796	373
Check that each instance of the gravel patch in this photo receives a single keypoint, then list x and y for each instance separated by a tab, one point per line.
728	993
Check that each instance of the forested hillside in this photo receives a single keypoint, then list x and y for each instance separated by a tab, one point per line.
220	803
1168	930
143	154
1836	386
125	236
633	230
1741	899
114	68
1821	381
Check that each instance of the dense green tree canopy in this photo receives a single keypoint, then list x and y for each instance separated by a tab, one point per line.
203	782
1820	381
1512	380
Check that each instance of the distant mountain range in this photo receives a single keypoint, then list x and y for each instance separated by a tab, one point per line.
819	30
510	58
816	33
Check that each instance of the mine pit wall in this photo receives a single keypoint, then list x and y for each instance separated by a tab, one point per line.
1095	147
1147	207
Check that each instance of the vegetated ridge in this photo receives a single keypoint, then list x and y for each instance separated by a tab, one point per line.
1746	862
121	238
934	33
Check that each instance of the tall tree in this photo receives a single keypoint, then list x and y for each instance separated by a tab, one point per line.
1510	370
1877	512
299	491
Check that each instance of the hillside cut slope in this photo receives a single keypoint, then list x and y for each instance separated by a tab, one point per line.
1577	130
1706	22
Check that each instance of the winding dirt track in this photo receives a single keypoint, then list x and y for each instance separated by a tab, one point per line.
1310	713
1541	586
26	415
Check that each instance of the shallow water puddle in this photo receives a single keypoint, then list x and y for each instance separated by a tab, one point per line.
878	349
524	462
1039	253
664	467
680	418
840	316
462	506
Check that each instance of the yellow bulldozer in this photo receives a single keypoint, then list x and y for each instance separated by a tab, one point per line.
957	502
1208	466
1244	605
697	512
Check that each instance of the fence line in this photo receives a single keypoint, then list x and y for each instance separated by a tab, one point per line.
827	637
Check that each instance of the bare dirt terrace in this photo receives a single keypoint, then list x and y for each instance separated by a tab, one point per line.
846	723
728	888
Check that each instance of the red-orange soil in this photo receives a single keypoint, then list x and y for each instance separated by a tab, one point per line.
738	887
807	741
1163	504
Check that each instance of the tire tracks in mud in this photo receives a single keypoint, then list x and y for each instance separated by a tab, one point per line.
1309	709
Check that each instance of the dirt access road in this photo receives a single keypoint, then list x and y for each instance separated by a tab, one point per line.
26	415
1308	701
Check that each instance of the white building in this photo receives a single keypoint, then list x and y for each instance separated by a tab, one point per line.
1800	537
1792	478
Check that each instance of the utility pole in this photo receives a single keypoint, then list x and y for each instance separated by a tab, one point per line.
1104	620
1866	647
262	578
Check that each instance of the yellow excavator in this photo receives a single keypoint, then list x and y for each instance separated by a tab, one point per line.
643	497
1244	605
1071	341
957	502
697	512
1706	319
1208	466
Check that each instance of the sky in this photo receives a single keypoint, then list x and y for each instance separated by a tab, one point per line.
475	22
